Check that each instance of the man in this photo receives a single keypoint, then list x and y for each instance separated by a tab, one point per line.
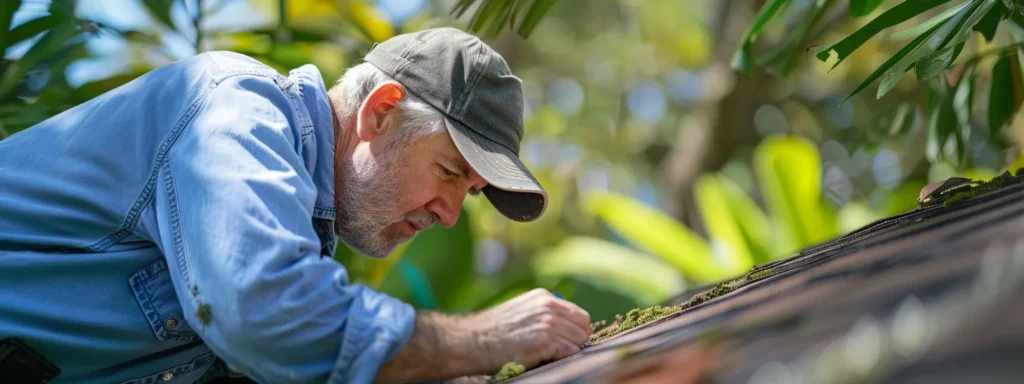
182	227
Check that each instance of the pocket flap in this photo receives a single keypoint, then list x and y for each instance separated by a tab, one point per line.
155	293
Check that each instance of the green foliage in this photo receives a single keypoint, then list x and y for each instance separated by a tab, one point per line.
161	11
860	8
658	234
64	27
7	9
444	257
495	14
604	264
733	219
933	50
743	59
894	16
1006	93
789	173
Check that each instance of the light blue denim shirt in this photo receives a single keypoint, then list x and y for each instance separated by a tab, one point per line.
179	227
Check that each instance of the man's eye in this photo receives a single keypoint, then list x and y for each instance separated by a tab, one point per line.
448	173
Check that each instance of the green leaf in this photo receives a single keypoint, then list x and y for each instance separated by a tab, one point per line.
52	42
1018	18
782	58
499	22
515	13
942	122
889	63
733	220
461	7
537	10
423	296
1005	93
161	10
743	59
963	99
988	24
646	279
906	116
917	30
954	31
937	62
657	233
789	174
953	150
7	9
860	8
27	31
486	11
894	16
141	37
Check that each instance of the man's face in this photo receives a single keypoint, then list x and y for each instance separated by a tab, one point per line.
392	189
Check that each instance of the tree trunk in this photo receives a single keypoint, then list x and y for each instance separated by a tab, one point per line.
718	125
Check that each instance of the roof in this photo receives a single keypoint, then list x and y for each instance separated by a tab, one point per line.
932	295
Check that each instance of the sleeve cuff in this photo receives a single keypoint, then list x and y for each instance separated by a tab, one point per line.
377	327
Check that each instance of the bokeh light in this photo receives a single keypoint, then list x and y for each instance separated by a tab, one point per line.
566	95
770	120
646	102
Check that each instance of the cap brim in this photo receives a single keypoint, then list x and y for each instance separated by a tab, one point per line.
511	188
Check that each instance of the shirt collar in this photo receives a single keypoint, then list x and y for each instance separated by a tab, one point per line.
314	95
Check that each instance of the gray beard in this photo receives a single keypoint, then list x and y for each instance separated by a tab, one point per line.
366	202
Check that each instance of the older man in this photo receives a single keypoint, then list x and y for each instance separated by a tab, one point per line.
182	227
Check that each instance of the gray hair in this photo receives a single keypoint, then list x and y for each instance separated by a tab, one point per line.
417	119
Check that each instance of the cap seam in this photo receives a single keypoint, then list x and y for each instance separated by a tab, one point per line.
475	77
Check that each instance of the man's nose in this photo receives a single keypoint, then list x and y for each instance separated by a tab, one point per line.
447	209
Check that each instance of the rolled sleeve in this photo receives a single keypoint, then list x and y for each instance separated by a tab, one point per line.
235	217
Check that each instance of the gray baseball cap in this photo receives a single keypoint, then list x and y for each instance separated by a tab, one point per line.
482	102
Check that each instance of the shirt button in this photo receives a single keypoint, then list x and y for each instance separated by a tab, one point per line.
167	376
171	324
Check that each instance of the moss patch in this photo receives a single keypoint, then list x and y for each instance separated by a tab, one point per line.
759	274
638	317
965	191
971	191
508	371
203	313
633	319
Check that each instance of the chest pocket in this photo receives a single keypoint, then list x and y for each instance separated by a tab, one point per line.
155	293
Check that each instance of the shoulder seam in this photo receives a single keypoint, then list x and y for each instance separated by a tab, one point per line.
131	219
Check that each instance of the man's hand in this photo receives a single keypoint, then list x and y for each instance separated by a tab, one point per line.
532	328
529	329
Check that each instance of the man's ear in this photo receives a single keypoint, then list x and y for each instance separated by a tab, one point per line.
377	114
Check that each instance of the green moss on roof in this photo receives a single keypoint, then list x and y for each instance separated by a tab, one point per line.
634	318
970	191
759	274
638	317
508	371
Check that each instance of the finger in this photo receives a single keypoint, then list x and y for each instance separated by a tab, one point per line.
565	348
569	331
572	312
529	297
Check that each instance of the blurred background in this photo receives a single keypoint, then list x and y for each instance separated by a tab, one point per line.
681	141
